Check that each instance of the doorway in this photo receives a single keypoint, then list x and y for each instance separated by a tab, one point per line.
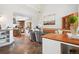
21	26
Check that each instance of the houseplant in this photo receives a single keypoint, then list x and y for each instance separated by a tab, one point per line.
73	21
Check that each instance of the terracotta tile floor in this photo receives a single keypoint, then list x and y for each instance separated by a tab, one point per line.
22	45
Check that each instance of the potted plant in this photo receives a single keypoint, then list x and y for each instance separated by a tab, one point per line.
73	21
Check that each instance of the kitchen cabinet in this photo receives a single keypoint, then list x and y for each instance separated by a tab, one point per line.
51	46
6	37
59	44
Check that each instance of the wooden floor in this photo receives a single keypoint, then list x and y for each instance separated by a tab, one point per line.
22	45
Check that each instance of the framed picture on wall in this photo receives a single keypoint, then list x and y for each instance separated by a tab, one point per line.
49	19
52	22
29	24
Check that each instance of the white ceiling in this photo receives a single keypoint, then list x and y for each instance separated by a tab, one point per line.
37	7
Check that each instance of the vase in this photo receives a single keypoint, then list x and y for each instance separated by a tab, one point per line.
72	28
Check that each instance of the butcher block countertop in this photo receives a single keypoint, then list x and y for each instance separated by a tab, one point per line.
62	38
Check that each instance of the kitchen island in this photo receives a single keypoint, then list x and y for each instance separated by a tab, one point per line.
52	43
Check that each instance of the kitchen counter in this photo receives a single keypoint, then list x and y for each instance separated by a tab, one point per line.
6	29
62	38
51	43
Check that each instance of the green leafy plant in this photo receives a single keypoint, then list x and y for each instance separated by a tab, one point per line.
73	19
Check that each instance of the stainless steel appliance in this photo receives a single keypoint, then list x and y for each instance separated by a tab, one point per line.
68	49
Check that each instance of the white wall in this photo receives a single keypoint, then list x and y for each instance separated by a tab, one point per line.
8	10
78	12
60	11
